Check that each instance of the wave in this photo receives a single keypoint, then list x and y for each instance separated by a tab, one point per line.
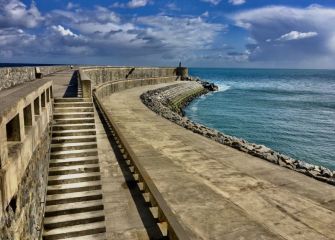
222	87
194	108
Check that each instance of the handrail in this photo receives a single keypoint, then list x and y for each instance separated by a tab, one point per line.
174	229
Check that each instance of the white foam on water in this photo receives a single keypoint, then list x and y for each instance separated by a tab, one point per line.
194	108
222	87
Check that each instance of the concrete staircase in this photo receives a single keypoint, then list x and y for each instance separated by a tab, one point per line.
74	208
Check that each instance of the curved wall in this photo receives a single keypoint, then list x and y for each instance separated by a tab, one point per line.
100	75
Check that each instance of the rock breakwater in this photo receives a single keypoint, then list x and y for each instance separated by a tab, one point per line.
169	101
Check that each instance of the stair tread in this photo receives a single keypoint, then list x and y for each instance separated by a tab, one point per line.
73	217
70	102
73	107
72	144
73	102
71	113
73	167
75	151
75	205
73	176
99	236
74	130
75	159
73	137
76	228
72	98
72	124
73	195
74	185
83	118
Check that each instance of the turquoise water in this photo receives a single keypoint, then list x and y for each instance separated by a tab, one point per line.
290	111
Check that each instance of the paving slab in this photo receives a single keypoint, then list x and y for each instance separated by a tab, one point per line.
218	192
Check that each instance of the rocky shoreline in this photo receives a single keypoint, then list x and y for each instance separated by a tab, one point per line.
162	101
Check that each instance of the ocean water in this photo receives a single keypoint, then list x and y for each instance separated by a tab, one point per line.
290	111
25	64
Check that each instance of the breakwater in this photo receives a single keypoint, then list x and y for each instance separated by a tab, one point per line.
162	102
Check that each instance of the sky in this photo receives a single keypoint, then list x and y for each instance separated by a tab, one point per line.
199	33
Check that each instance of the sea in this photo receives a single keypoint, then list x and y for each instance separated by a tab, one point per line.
291	111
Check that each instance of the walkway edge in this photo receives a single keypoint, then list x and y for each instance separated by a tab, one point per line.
174	228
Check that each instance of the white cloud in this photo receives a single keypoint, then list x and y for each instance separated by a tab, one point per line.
137	3
295	35
14	13
64	32
131	4
12	36
102	33
181	32
205	14
72	5
173	7
237	2
214	2
272	26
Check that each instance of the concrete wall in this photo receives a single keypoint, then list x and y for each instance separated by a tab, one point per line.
12	76
101	75
107	89
24	148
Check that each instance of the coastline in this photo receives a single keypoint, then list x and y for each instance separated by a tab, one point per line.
169	102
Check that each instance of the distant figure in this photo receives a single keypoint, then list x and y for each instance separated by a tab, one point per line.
179	64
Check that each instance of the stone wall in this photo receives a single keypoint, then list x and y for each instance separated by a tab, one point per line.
12	76
25	117
162	101
22	218
101	75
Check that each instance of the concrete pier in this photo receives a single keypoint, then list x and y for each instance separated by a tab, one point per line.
113	169
218	192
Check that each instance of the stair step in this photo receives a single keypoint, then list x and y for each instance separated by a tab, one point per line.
73	219
74	153
99	236
74	187
72	100
74	139
73	161
75	132
72	146
73	104
72	115
73	178
75	231
73	109
74	120
75	207
57	127
73	169
73	197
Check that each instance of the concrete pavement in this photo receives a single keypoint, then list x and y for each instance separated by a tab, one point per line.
218	192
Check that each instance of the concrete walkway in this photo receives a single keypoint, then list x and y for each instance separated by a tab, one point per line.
64	83
218	192
127	216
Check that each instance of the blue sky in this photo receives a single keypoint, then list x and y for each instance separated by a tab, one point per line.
200	33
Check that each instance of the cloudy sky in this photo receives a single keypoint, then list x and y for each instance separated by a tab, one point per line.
208	33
